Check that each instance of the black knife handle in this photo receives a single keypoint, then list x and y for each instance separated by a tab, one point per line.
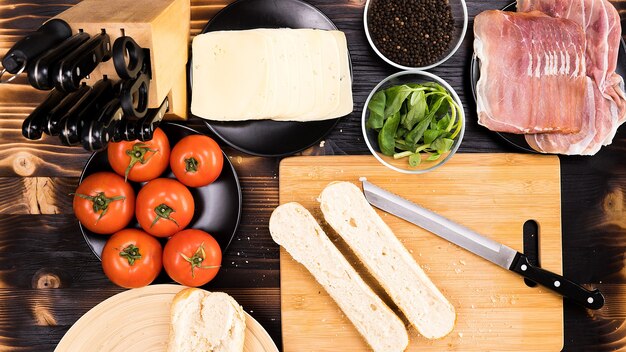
557	283
56	115
82	61
97	133
33	125
28	48
42	70
100	94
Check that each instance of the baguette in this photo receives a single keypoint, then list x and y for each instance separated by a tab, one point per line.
294	228
347	211
203	321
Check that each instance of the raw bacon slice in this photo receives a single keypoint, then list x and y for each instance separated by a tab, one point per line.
532	72
601	23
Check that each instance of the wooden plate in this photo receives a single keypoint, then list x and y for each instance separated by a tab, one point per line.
138	320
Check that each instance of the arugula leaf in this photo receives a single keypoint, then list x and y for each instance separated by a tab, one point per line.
374	121
443	123
416	133
433	157
401	132
395	96
430	135
442	145
417	110
377	104
386	136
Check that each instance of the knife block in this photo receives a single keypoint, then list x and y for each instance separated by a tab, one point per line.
162	26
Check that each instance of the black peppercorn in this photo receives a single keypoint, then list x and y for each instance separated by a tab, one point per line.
413	32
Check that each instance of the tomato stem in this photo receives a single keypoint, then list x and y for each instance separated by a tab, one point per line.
131	253
100	202
191	165
163	211
196	260
138	155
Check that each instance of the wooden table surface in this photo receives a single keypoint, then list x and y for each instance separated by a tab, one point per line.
49	277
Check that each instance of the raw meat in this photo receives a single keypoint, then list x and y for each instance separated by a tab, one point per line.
601	23
532	73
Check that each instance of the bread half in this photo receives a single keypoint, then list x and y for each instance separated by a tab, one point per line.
294	228
345	208
203	321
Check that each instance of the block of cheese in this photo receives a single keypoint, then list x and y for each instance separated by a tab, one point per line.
279	74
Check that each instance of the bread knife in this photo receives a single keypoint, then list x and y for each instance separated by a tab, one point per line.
480	245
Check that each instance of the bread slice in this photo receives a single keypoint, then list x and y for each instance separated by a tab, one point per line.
345	208
294	228
203	321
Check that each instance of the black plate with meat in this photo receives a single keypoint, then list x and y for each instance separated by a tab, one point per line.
518	140
267	137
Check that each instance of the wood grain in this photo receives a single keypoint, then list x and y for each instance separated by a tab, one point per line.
592	253
495	310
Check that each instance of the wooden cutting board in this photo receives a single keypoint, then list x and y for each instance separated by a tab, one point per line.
493	194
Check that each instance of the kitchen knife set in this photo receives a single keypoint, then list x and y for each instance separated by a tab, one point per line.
56	60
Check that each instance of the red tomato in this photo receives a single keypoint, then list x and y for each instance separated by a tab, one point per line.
140	161
164	207
196	160
131	258
104	203
192	257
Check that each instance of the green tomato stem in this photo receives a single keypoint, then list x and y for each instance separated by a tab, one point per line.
191	165
131	253
163	211
138	155
100	202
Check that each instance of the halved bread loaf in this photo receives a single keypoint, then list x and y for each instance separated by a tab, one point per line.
203	321
345	208
294	228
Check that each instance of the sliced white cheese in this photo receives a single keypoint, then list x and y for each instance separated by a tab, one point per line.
280	74
230	75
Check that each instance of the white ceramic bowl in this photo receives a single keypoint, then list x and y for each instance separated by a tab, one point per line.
371	136
459	14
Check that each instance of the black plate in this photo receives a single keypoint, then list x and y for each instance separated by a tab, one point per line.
217	206
518	140
267	137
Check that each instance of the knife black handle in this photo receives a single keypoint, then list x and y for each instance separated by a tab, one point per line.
134	95
82	61
42	70
557	283
88	110
33	126
97	133
28	48
56	115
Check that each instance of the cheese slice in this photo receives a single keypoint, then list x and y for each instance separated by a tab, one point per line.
280	74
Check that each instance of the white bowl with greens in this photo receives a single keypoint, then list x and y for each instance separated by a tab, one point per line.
413	121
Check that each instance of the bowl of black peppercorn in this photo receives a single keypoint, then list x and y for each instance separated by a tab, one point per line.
415	34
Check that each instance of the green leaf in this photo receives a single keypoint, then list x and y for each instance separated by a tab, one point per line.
443	123
417	110
386	137
433	157
430	135
417	133
401	132
395	96
415	159
442	145
377	104
443	108
374	121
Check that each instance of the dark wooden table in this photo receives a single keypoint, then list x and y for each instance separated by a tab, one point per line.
49	277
